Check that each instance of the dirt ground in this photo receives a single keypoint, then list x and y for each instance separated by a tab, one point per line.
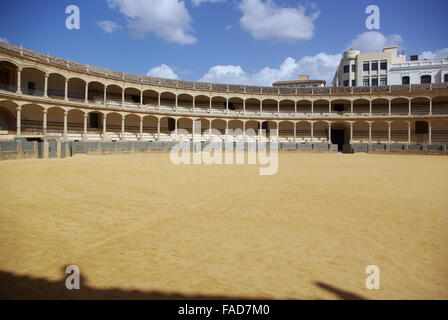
140	227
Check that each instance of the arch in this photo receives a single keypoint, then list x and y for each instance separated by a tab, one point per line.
56	86
167	99
236	104
270	106
114	94
8	115
150	97
360	132
32	118
218	104
252	105
95	91
380	106
361	106
76	89
202	102
440	105
321	106
8	76
399	106
287	106
185	101
33	81
420	105
132	95
304	106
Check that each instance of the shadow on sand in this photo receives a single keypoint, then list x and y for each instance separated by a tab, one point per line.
18	287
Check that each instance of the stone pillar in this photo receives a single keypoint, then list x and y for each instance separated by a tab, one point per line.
390	107
370	131
19	81
312	131
312	107
278	108
261	107
295	133
65	124
86	93
66	90
104	126
227	105
141	129
122	95
86	116
429	132
430	107
370	107
194	103
105	95
329	132
123	128
410	107
389	132
141	98
244	106
351	133
295	107
329	107
19	121
176	103
46	86
351	107
158	129
175	129
44	121
409	132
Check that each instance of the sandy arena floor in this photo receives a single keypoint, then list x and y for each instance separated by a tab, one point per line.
141	227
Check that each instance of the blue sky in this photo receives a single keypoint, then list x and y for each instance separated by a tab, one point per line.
232	41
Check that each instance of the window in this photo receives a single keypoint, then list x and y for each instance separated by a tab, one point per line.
365	66
421	127
345	83
383	82
353	83
405	80
171	124
374	82
375	66
425	79
383	65
365	82
346	68
353	67
445	78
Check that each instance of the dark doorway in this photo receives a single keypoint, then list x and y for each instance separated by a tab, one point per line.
338	137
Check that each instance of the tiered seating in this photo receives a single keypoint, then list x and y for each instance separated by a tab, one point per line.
93	137
74	136
112	136
128	136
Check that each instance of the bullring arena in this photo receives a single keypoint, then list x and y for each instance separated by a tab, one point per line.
361	181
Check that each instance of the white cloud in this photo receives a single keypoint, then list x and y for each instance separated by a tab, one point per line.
4	40
266	20
320	67
439	54
168	19
374	41
199	2
163	71
108	26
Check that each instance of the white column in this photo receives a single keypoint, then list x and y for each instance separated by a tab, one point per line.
210	129
227	105
158	101
370	107
46	86
65	124
104	126
409	132
244	106
19	81
175	129
312	107
410	107
278	108
141	128
210	106
370	131
44	121
295	133
430	107
176	103
329	132
312	131
194	103
122	126
390	107
429	132
329	107
66	90
86	93
141	97
351	133
105	95
85	125
389	131
295	107
158	129
261	106
19	121
351	107
122	96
